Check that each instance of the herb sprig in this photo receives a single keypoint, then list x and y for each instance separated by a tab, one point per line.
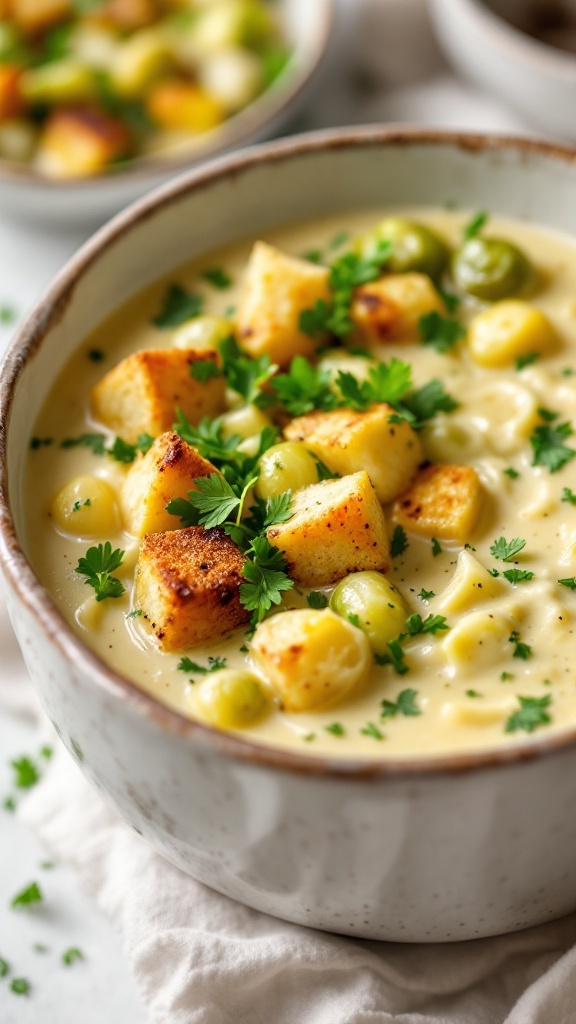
97	566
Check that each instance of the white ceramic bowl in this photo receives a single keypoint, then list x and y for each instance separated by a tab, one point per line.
90	201
426	849
535	79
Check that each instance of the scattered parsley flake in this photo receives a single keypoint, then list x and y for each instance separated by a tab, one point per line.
518	575
31	894
214	664
451	301
336	729
427	401
568	371
309	737
511	472
403	705
473	693
204	370
20	986
7	314
39	947
426	595
439	332
399	542
475	225
4	967
72	954
526	360
96	442
569	582
547	414
548	446
178	306
27	773
521	650
304	388
317	600
348	272
9	803
40	442
355	621
97	565
506	550
338	240
312	255
371	729
323	472
134	614
218	277
531	715
436	547
395	657
417	626
265	572
494	572
568	495
505	676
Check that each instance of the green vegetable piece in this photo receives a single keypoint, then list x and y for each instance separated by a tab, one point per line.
31	894
531	715
370	601
414	247
490	269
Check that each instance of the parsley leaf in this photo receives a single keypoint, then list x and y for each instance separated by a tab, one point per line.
532	714
265	571
439	332
72	954
244	374
424	403
346	273
404	705
4	968
475	225
31	894
204	370
214	664
548	446
304	388
215	500
317	600
568	495
395	657
386	382
20	986
336	729
97	565
278	509
399	542
371	729
506	550
436	547
218	277
569	582
526	360
97	442
518	575
426	595
521	650
207	438
511	472
27	773
431	624
179	306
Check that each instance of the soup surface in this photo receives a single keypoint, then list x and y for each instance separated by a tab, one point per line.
482	655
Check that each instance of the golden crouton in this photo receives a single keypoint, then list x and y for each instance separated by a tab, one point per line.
130	14
79	143
167	471
11	104
276	290
34	16
347	441
337	527
141	394
183	106
443	502
311	658
187	586
390	308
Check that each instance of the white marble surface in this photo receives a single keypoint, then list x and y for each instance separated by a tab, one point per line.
387	68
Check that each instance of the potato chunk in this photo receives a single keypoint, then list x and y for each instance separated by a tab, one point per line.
509	330
443	502
79	143
276	290
141	394
183	106
390	308
470	584
167	471
187	585
347	441
311	658
337	527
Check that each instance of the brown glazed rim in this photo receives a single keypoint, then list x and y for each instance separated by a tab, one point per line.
258	116
49	311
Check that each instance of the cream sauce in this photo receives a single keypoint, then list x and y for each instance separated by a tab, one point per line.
489	430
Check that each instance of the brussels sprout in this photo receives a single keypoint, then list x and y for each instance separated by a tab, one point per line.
414	247
491	269
230	699
285	467
373	604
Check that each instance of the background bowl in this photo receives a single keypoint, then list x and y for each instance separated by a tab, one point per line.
536	79
422	849
90	201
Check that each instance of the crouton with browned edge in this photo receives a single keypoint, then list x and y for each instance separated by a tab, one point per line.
390	308
444	502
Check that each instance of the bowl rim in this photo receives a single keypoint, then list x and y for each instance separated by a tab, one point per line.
18	571
527	49
257	117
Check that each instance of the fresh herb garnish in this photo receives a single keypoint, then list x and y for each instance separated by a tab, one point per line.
26	772
399	542
440	332
394	657
244	374
204	370
526	360
505	676
31	894
371	729
518	575
336	729
218	277
416	625
427	401
20	986
72	954
521	650
569	582
192	667
506	550
4	967
473	693
405	704
347	273
305	388
568	495
548	446
531	715
265	571
511	472
96	442
436	547
40	442
475	225
7	314
97	565
178	306
426	595
317	600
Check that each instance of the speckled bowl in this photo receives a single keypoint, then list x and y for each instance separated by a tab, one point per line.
424	849
26	194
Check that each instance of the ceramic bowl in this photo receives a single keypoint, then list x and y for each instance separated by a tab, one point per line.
422	849
537	79
90	201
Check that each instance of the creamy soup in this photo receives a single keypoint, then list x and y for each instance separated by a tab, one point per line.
478	652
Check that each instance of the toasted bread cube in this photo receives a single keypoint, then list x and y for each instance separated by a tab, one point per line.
443	502
34	16
336	527
390	308
167	471
183	106
141	394
347	441
276	290
311	658
79	143
11	103
188	584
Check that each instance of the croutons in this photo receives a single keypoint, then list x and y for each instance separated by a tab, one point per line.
390	308
347	441
336	527
443	502
182	106
33	16
187	586
311	658
141	394
11	104
167	471
276	290
79	143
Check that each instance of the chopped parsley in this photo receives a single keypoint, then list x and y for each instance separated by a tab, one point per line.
96	442
244	374
511	472
304	388
436	547
399	542
134	614
426	595
97	565
427	401
440	332
475	225
218	278
20	986
178	306
31	894
372	730
40	442
548	446
214	664
119	450
204	370
309	737
568	495
26	772
81	504
506	550
569	582
267	579
531	715
417	626
505	676
70	955
348	272
518	575
7	314
317	600
521	650
473	693
4	968
526	360
405	704
336	729
394	657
